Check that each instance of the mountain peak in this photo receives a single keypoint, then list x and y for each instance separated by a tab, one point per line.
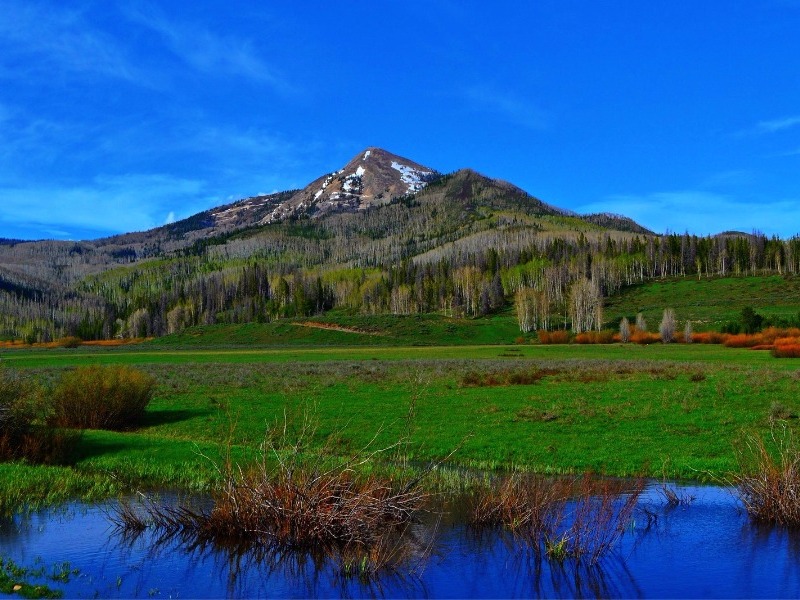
372	177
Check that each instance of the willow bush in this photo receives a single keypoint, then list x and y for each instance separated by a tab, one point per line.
95	397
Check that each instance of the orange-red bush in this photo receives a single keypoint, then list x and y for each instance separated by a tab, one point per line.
744	340
595	337
645	337
560	336
709	337
786	351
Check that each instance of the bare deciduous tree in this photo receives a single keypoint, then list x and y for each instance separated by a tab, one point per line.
585	305
625	330
667	326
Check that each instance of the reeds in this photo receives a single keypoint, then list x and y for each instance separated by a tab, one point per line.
581	518
769	480
293	501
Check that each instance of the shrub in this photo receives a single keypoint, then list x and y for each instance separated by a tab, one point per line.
595	337
68	342
644	337
23	412
708	337
560	336
16	416
294	502
102	398
786	351
743	340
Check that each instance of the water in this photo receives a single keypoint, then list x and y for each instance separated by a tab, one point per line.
706	549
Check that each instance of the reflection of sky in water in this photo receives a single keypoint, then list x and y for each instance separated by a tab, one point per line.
708	549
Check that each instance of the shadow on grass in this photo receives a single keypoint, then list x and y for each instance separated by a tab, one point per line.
154	418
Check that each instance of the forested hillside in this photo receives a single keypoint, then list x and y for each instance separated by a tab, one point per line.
463	245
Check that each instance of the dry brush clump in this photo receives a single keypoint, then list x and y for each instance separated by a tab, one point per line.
562	518
768	483
96	397
506	377
293	500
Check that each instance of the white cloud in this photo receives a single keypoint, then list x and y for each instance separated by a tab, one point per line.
778	124
703	212
61	41
170	218
508	105
205	51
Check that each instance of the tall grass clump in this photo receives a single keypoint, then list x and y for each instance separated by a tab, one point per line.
768	483
561	518
95	397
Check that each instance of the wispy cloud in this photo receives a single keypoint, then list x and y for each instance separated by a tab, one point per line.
106	205
62	41
703	212
770	126
207	52
508	105
778	124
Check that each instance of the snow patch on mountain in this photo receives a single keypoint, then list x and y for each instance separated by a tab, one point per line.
413	178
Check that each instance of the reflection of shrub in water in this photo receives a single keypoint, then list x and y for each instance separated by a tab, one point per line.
563	518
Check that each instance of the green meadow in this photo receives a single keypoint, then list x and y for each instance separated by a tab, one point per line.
674	411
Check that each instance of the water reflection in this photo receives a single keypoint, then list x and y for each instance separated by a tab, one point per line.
708	548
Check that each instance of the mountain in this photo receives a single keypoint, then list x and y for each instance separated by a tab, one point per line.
373	177
381	234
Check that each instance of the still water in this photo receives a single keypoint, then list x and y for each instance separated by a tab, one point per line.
706	549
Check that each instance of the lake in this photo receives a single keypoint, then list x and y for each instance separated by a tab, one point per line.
708	548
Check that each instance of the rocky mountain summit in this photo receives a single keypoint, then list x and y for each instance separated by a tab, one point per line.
372	177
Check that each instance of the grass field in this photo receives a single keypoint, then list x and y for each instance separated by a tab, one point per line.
674	411
708	303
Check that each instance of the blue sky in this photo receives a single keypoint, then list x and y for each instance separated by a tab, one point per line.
121	116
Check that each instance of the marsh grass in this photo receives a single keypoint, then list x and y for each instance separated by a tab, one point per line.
576	518
768	483
16	579
299	499
674	497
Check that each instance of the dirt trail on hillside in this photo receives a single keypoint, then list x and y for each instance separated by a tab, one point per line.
332	327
